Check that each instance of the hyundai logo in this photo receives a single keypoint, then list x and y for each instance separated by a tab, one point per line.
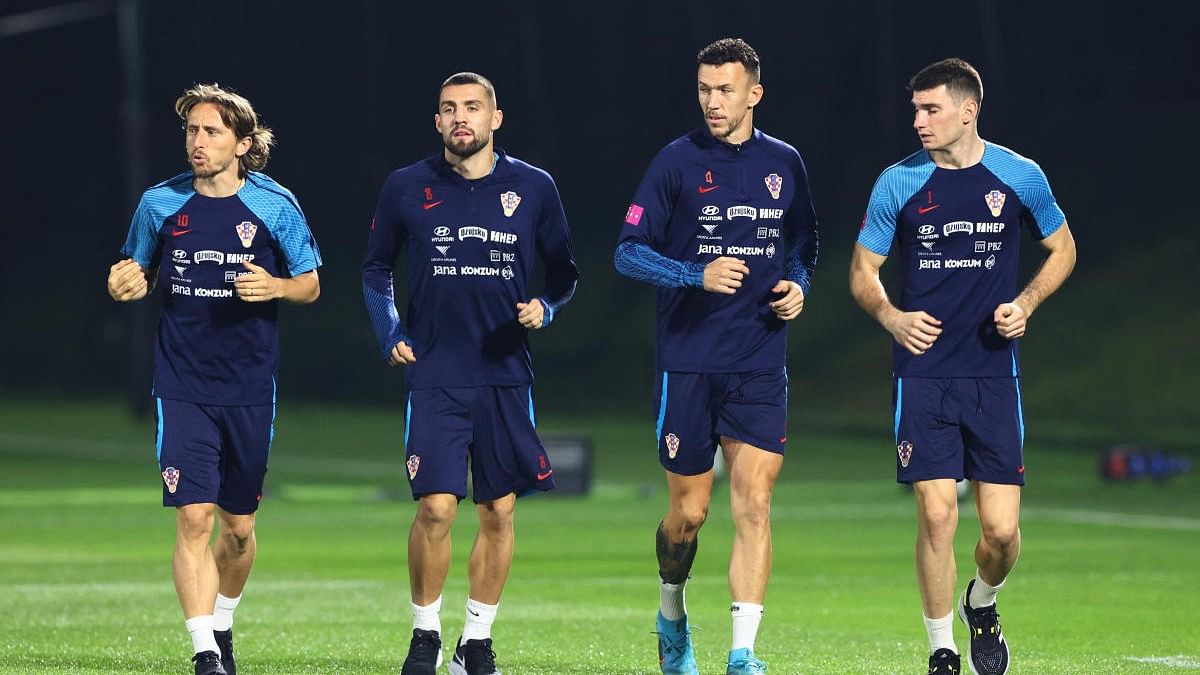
441	232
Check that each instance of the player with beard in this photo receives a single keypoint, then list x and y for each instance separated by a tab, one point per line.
723	224
224	242
473	221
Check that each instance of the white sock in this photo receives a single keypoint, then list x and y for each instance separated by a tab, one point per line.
428	617
479	620
670	601
201	630
746	617
941	633
223	612
982	594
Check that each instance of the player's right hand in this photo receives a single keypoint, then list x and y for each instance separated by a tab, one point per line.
915	331
127	281
724	275
401	355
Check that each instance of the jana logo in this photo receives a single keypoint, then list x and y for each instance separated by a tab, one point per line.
711	210
441	232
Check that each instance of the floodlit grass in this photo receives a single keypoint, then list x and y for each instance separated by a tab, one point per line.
1106	584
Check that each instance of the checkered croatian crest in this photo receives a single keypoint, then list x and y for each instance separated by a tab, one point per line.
774	184
246	231
672	445
171	478
414	464
995	202
904	451
509	201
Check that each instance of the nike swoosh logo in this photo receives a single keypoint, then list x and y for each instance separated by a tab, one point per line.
430	205
473	613
544	476
922	210
703	189
177	232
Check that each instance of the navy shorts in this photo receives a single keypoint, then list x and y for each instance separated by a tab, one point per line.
696	409
213	454
960	427
493	425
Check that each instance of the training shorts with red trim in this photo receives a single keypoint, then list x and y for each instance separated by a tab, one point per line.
959	427
493	425
213	454
696	409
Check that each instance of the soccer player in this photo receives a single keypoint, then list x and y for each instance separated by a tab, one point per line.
473	220
225	243
723	224
955	210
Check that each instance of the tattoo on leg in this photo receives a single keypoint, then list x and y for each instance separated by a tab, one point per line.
674	557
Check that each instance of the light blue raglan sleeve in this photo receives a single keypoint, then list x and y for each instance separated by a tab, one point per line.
296	240
1029	182
280	212
879	222
142	239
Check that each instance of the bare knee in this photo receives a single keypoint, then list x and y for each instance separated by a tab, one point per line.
687	520
497	515
1001	536
194	522
237	531
752	510
435	513
937	518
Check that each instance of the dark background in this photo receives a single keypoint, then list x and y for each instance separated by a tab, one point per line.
1105	99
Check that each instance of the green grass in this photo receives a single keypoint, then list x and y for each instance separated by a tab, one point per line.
1109	572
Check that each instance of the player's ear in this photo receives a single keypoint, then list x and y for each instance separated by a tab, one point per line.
243	146
969	110
756	94
497	119
437	122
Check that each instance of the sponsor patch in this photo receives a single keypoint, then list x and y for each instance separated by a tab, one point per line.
634	215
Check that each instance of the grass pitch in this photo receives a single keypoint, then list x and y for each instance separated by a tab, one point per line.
1107	582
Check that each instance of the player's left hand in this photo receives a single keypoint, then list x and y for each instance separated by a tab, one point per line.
1010	320
257	285
792	303
530	314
